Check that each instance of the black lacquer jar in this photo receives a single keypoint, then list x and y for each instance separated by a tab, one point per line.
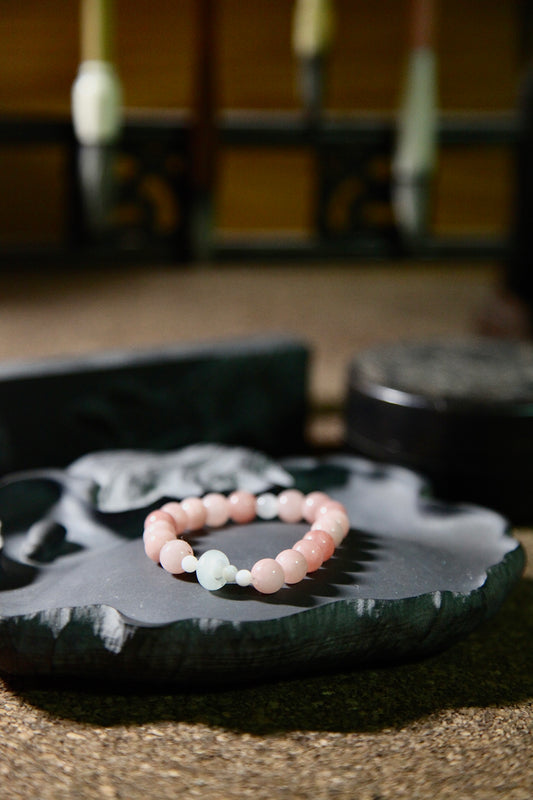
459	412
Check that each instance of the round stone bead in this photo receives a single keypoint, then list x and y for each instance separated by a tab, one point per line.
290	505
332	524
158	526
241	506
243	577
312	552
311	504
267	506
267	576
178	515
154	539
331	505
173	553
196	513
158	516
210	569
216	506
324	540
294	565
189	564
339	515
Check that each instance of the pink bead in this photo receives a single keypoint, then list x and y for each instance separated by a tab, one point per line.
160	525
178	515
158	516
331	505
340	516
196	513
217	509
312	503
267	576
241	506
342	519
294	565
332	525
155	538
290	505
312	553
324	540
172	554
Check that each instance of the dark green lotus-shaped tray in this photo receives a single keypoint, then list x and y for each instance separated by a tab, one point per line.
78	597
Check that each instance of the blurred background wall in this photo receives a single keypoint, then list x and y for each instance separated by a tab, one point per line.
480	62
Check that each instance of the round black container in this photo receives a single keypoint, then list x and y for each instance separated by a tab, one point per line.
459	412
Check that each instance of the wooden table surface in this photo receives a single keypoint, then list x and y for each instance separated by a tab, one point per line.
456	725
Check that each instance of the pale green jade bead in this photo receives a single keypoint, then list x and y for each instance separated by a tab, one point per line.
210	569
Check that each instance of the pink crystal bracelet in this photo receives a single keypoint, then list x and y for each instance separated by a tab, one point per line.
327	518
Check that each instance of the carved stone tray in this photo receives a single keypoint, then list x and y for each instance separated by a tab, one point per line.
78	597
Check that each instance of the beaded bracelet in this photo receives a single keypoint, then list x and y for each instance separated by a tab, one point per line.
329	526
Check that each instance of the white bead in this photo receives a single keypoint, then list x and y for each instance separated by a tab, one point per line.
210	568
229	573
189	564
267	506
243	577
